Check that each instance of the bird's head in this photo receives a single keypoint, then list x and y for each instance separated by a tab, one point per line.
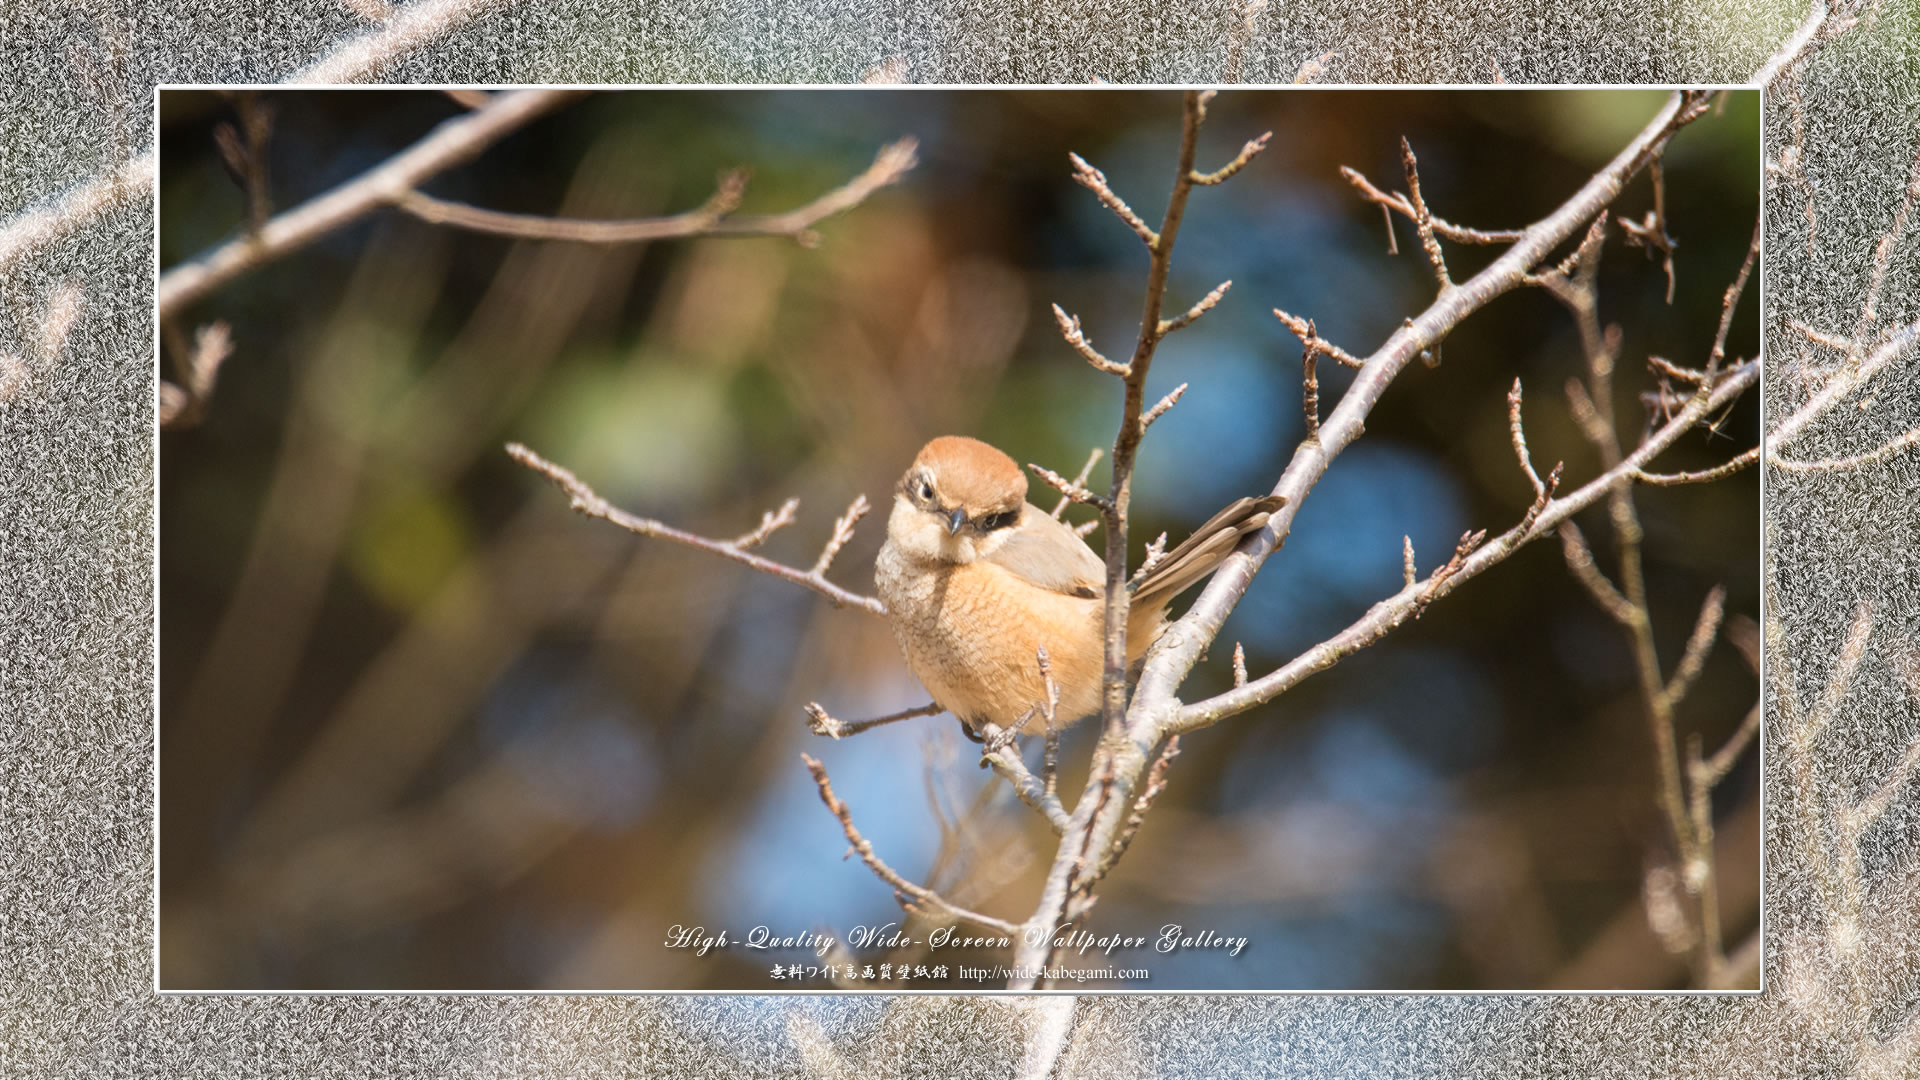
959	501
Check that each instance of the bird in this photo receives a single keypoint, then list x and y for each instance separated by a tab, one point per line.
977	580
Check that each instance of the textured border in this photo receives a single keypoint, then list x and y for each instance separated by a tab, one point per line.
76	485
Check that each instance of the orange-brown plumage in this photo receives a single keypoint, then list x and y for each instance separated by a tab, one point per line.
976	580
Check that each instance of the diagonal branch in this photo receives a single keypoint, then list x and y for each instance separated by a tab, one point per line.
714	218
927	898
1397	609
588	502
454	142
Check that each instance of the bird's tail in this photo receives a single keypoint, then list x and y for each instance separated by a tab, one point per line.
1200	554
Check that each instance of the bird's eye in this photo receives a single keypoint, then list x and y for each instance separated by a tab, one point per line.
926	490
997	521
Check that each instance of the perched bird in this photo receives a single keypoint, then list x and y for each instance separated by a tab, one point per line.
977	580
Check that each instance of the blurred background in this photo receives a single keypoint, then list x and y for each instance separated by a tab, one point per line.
421	727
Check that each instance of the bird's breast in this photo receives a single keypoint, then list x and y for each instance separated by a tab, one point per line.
972	634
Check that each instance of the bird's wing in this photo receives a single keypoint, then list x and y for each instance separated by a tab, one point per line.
1198	555
1046	553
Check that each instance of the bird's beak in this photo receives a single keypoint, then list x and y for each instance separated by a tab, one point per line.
954	521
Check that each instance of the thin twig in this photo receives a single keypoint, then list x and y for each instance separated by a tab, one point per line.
129	183
843	527
1037	793
1395	202
410	26
1422	219
1160	407
1795	47
1079	481
1580	560
1844	383
1718	472
888	874
1239	38
1226	172
714	218
1694	658
1076	337
1871	457
820	723
1309	336
1072	490
1390	613
1651	232
1096	181
1206	303
454	142
1716	768
1313	67
184	404
586	501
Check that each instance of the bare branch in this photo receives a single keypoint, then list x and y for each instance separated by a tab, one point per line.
1876	804
1312	68
128	184
1795	49
1705	628
586	501
1690	376
1035	792
1239	665
770	522
184	404
1096	181
454	142
1844	383
1421	218
1731	301
1883	254
1079	481
1073	491
1184	320
1831	341
1392	612
822	724
468	98
1160	407
925	897
1852	652
1310	386
1240	161
1519	436
1396	202
1716	768
1156	783
1240	37
1871	457
1156	552
1651	232
842	532
1580	560
1309	336
714	218
1076	337
411	26
1408	572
